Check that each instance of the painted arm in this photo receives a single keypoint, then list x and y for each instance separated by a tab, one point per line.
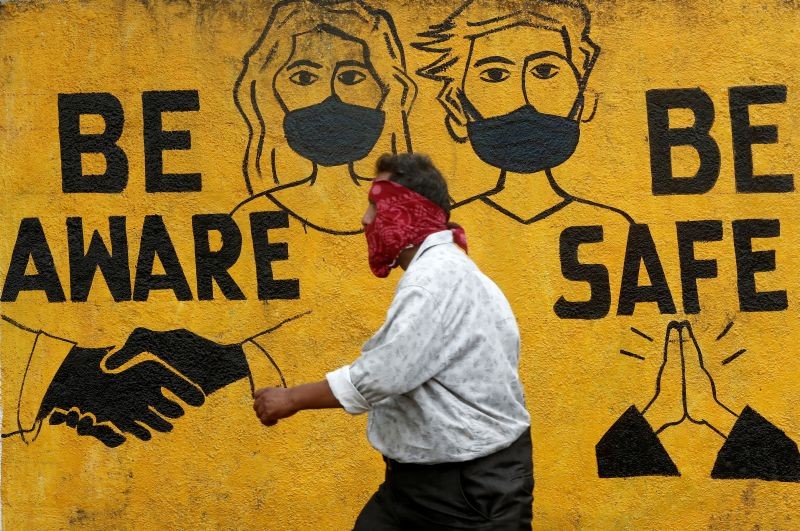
757	449
109	395
30	360
204	362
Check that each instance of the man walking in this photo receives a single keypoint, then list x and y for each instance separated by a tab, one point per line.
439	379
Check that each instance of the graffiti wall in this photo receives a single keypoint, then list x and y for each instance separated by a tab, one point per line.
182	190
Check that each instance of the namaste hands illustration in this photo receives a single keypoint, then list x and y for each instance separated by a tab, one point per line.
754	448
685	389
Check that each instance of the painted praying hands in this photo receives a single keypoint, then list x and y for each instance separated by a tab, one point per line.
753	447
684	387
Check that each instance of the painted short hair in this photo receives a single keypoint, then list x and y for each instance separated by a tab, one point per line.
451	38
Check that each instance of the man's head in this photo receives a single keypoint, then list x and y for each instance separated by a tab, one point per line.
408	201
535	51
417	173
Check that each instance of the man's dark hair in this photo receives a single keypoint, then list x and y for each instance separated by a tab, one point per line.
416	172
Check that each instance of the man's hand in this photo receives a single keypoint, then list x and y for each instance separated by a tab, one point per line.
272	404
666	408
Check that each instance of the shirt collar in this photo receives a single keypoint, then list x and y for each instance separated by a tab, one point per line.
437	238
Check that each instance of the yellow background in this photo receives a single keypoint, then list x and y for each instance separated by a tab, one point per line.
219	468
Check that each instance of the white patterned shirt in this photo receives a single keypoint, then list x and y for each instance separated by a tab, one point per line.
440	378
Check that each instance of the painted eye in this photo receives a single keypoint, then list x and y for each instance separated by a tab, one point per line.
303	78
495	75
545	70
351	77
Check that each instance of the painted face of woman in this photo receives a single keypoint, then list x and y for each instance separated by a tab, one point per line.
332	99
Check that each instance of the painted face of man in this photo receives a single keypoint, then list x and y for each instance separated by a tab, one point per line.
520	95
521	65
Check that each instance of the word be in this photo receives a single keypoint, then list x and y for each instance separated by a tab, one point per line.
744	136
156	141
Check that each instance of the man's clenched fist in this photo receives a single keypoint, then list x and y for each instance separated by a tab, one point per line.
272	404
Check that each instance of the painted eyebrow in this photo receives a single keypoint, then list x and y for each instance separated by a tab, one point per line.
493	59
540	55
303	62
350	62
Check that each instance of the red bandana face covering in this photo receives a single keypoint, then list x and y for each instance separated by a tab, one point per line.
403	219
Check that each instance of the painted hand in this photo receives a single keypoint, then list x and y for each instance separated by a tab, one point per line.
272	404
666	408
105	405
208	364
702	405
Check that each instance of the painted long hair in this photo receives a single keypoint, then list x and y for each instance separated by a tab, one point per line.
255	97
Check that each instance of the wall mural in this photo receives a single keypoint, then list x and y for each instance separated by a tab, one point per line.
183	194
96	392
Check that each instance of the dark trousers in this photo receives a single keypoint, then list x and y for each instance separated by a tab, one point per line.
491	492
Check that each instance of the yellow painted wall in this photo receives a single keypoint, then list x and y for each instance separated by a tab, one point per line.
218	467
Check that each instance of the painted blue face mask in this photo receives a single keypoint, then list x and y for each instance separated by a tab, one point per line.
524	140
332	132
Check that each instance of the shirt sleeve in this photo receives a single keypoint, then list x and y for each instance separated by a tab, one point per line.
345	392
406	352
